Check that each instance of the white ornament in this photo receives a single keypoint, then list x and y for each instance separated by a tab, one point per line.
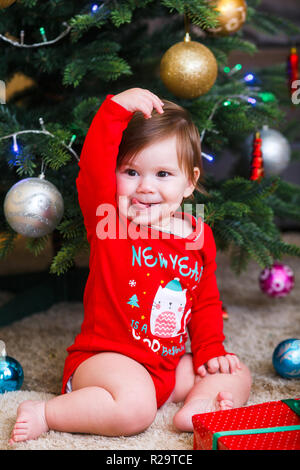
276	150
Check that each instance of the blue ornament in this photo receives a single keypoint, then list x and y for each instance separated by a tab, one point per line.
286	358
11	372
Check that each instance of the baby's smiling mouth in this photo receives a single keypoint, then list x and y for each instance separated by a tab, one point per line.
142	205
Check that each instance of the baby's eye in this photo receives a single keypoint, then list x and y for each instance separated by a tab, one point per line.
163	174
130	172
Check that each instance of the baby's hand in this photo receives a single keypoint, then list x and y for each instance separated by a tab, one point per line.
227	364
138	99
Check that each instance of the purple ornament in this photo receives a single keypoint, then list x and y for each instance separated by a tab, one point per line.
277	281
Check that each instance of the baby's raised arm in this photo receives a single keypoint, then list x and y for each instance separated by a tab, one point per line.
139	99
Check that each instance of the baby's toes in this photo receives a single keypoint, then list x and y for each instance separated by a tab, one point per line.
225	400
19	436
19	432
226	404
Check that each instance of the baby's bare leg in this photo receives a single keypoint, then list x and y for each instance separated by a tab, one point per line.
214	392
112	395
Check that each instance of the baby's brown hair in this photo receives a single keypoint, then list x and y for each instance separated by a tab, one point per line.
175	120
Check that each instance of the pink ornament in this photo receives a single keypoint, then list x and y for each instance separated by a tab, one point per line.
277	281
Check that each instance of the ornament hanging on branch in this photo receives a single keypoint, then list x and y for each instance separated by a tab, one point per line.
188	69
33	207
276	150
293	70
232	16
257	164
6	3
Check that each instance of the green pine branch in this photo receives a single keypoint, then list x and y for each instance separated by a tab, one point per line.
37	245
122	11
8	121
200	12
285	202
81	24
224	45
65	258
100	60
53	153
7	241
72	228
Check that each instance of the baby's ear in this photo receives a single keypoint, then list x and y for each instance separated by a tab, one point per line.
196	173
190	188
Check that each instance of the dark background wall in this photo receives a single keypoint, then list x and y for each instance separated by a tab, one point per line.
289	9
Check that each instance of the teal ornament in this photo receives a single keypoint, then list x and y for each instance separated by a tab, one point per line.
286	358
11	372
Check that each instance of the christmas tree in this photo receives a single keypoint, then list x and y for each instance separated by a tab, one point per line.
133	301
75	53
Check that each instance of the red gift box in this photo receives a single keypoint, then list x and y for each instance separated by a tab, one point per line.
268	426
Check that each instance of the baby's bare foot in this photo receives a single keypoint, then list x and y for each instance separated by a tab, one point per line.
30	422
183	418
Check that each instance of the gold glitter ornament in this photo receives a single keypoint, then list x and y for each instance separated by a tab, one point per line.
6	3
188	69
232	16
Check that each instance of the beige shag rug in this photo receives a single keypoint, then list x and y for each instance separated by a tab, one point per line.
255	326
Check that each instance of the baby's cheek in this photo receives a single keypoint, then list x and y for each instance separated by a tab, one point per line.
123	187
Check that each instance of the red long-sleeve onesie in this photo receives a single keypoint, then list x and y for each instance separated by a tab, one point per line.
144	286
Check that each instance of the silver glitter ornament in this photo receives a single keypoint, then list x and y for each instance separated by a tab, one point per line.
276	150
33	207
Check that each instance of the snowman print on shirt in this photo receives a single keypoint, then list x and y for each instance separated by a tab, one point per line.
168	310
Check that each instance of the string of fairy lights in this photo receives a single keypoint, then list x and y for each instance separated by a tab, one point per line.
44	42
15	146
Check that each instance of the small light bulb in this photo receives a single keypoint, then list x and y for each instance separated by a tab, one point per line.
249	77
252	101
210	158
95	8
15	144
42	31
